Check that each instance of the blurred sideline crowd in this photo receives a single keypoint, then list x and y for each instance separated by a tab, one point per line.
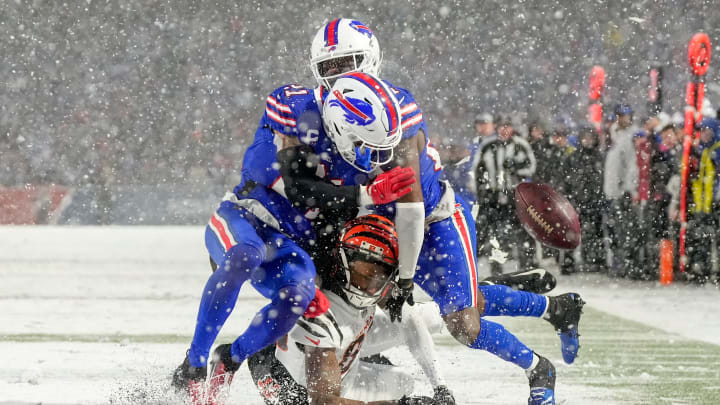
103	96
100	94
623	179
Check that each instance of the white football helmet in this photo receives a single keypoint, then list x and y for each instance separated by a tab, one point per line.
343	46
362	117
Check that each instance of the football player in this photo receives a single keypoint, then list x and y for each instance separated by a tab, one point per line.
362	139
318	362
259	236
276	203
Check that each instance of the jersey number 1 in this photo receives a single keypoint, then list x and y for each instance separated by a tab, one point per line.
295	90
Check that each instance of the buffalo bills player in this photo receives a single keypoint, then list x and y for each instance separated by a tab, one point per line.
362	104
259	236
430	219
292	122
435	236
436	241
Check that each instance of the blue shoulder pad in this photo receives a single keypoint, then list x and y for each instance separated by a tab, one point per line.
293	111
411	115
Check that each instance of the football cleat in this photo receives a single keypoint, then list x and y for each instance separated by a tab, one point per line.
222	370
542	383
495	269
538	281
377	358
191	381
541	396
443	396
564	313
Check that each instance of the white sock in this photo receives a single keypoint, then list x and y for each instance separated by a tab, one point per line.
534	364
545	314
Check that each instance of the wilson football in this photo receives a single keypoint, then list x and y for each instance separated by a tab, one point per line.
547	216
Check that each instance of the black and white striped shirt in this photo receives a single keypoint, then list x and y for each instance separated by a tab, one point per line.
503	164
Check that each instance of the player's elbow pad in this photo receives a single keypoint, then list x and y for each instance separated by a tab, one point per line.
410	224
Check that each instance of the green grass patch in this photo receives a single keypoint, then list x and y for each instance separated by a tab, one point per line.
635	363
640	364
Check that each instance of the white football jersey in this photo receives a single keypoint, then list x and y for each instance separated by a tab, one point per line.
343	328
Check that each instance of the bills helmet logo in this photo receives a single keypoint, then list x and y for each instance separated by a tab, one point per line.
361	28
357	112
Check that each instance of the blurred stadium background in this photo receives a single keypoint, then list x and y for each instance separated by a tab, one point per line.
138	112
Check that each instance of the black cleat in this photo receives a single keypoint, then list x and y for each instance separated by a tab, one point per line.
542	383
377	358
190	380
443	396
564	313
538	281
495	268
567	269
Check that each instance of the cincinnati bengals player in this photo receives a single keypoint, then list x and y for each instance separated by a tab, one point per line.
318	362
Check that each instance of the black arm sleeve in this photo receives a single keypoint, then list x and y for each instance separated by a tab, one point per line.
303	188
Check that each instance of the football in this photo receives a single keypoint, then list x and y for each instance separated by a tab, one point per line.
547	215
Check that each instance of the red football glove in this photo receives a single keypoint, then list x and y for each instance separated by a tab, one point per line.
318	306
389	186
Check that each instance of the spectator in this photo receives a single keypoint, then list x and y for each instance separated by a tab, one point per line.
703	211
663	165
559	175
540	144
561	151
644	247
673	184
485	126
539	141
504	162
461	173
650	124
604	141
585	190
620	182
665	161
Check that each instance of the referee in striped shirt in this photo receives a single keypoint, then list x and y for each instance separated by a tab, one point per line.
503	163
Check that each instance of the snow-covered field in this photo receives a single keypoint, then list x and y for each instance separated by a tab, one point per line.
99	315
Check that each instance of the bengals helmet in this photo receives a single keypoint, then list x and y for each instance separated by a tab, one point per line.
370	239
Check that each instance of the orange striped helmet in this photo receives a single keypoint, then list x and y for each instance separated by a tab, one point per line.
373	239
373	236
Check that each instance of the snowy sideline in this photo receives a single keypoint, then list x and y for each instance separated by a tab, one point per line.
98	282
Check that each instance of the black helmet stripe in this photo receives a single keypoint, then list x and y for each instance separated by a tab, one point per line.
376	236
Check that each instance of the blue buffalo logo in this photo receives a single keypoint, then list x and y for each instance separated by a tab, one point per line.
357	112
361	28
